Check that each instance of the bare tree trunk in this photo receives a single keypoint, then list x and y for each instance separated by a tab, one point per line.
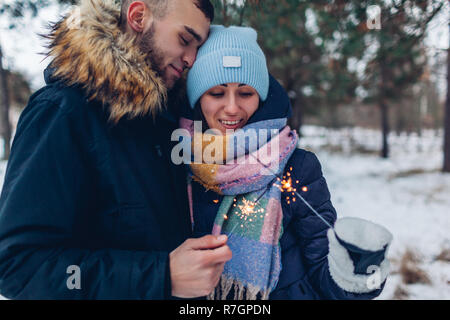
224	12
297	102
241	13
446	167
384	111
5	126
296	119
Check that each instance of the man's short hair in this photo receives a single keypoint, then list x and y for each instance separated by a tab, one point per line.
160	8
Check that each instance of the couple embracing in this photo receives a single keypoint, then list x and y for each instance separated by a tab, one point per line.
91	182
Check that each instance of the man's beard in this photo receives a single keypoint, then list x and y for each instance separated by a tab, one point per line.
153	54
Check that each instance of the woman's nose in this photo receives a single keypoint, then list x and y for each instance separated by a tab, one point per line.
231	106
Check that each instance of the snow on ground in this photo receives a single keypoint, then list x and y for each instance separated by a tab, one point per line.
405	193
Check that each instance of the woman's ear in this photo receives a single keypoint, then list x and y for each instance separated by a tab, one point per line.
139	16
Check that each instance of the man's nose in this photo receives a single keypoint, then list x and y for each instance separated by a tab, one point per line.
189	57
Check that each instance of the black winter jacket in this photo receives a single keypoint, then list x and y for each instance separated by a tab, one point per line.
82	191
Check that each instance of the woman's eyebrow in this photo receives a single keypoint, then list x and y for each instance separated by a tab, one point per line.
240	85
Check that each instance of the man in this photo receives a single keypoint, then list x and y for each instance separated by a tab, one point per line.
91	206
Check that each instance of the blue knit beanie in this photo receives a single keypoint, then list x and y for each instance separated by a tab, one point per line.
229	55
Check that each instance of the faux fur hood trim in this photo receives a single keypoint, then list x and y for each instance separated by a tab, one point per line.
89	49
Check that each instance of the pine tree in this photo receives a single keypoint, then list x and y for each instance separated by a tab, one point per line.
398	61
446	167
16	11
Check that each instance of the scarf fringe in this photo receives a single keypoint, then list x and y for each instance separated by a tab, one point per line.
225	285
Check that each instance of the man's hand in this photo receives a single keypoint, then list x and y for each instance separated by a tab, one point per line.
197	264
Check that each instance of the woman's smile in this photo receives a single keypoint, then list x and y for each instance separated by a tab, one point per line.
229	106
231	124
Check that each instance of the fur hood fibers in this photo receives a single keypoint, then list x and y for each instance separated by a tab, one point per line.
88	49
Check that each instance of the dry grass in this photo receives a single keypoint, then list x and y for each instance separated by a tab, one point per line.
361	149
333	148
400	293
444	255
411	172
410	271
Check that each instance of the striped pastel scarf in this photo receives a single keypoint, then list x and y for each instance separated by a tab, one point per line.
250	212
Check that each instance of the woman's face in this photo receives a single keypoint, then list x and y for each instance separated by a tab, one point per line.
229	106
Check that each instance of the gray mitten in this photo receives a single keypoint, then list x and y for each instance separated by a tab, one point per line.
357	254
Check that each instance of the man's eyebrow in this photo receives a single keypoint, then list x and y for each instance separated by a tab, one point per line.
194	34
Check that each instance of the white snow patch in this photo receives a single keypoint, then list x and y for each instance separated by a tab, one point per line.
406	193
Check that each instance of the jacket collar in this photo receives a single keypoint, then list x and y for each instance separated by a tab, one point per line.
89	50
276	106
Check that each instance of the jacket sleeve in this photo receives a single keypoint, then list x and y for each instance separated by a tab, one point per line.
312	231
40	204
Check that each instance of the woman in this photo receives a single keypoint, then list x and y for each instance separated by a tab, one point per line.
266	194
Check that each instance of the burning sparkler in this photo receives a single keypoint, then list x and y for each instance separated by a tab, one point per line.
248	211
285	184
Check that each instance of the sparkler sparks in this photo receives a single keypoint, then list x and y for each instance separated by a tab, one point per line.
248	208
247	211
286	186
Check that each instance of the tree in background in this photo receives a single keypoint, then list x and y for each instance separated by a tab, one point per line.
419	109
312	47
16	11
323	52
5	126
303	44
398	60
446	167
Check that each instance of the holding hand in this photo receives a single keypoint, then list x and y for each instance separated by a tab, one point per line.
196	265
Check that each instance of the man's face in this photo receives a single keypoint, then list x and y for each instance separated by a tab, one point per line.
173	41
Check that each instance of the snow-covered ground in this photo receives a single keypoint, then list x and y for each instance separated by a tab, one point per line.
405	193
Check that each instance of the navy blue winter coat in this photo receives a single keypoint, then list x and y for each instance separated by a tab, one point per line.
304	243
82	191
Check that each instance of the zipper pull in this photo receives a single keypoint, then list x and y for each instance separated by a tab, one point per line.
158	150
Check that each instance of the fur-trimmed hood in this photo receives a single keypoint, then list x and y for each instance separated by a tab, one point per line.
89	49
